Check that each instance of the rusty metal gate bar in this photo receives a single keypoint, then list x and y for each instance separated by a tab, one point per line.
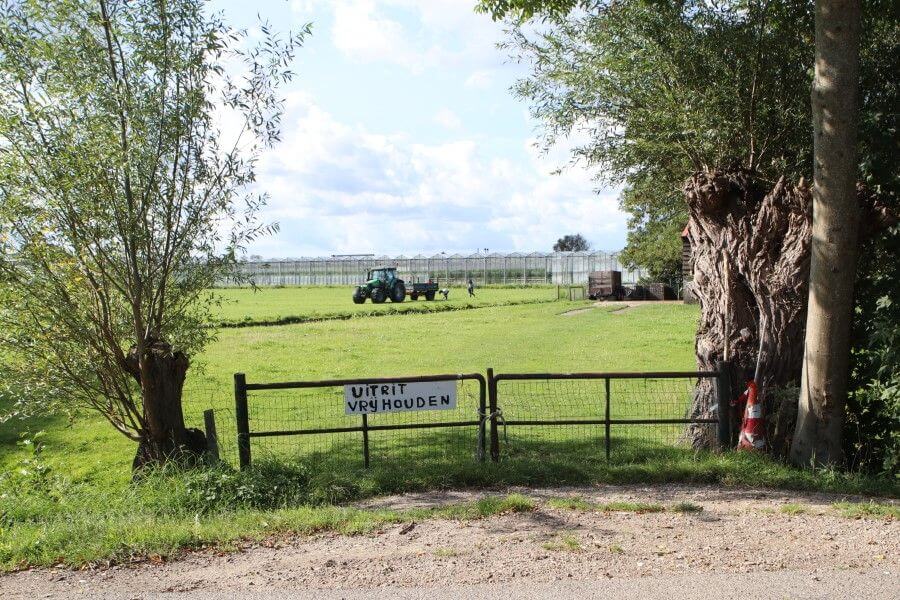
242	413
722	390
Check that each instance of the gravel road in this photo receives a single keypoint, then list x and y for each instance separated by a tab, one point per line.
741	545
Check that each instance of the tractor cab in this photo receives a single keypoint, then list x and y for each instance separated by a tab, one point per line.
384	274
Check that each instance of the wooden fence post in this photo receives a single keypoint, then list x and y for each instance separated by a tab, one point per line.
482	419
608	425
212	438
492	407
242	416
365	432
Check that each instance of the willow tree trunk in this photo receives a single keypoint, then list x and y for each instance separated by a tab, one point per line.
161	372
750	253
823	392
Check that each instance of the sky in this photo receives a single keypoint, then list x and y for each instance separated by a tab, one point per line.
401	136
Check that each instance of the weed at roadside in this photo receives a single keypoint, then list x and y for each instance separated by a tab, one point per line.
859	510
686	507
792	509
565	543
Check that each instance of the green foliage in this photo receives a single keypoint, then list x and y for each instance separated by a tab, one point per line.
496	505
565	543
872	437
580	504
522	10
655	245
662	89
635	507
49	515
270	485
66	494
872	440
121	198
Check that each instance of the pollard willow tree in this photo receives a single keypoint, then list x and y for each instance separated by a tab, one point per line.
666	90
122	201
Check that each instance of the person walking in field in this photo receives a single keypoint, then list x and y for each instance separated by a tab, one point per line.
471	288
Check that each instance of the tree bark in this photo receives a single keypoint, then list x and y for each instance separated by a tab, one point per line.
763	236
164	437
823	392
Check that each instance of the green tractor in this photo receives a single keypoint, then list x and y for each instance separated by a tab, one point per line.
381	283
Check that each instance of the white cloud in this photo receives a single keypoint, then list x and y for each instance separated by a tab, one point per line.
480	79
364	35
425	33
447	119
332	185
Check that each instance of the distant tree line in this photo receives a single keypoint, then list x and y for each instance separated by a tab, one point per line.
571	243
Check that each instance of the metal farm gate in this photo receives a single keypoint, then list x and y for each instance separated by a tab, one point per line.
625	416
313	412
576	412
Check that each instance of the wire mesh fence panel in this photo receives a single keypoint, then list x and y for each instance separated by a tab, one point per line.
197	399
288	410
432	438
649	399
567	414
559	418
312	421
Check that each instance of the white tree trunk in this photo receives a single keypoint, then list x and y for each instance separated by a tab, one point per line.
817	438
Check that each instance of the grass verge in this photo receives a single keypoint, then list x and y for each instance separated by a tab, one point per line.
161	517
49	517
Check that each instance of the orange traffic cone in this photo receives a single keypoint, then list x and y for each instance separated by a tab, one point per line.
753	425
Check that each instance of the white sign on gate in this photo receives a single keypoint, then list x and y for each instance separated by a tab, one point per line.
371	398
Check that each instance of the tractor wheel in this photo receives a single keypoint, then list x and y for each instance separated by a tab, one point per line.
429	296
413	296
359	297
399	293
378	295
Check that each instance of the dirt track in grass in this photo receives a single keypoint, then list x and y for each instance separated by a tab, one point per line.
737	531
615	307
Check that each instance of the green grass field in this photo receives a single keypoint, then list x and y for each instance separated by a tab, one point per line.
524	338
65	489
242	306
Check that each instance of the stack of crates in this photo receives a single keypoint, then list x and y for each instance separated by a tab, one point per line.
660	291
605	284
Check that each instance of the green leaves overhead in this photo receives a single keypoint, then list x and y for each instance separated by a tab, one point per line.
658	89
